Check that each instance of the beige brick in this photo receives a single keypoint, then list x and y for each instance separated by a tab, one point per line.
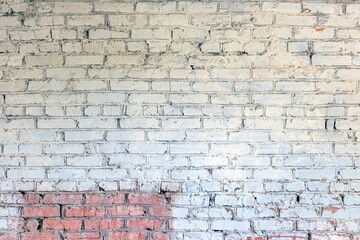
84	60
71	47
113	7
128	20
168	20
116	47
72	7
9	22
115	60
156	7
63	33
25	73
151	33
65	73
323	8
338	21
90	20
49	60
107	34
295	20
281	7
314	33
40	34
331	60
197	7
12	86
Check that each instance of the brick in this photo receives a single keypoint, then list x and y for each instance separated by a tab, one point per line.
44	60
296	20
103	223
127	235
39	235
146	199
90	20
151	7
84	60
9	22
85	235
144	224
114	7
61	224
41	212
76	8
84	212
105	198
65	73
107	34
288	8
126	211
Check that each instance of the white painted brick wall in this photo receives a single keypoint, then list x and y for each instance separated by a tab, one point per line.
249	111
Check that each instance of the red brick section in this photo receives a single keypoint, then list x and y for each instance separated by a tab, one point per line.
90	216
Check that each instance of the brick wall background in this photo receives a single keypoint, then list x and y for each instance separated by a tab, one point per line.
221	120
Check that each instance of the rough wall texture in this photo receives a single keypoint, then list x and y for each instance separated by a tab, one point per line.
218	120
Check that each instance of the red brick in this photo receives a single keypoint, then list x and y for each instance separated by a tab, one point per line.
160	236
8	236
105	198
127	236
31	198
125	211
114	223
61	224
147	199
39	236
160	211
32	225
83	236
63	199
141	223
84	212
41	211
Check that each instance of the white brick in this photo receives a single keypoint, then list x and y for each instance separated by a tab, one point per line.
107	173
230	225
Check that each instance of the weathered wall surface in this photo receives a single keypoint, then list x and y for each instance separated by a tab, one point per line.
180	120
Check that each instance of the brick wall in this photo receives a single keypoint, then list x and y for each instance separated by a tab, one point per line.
220	120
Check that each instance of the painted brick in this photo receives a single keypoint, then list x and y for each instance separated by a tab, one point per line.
179	120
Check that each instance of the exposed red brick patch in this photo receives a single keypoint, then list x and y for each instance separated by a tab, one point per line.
319	29
90	216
